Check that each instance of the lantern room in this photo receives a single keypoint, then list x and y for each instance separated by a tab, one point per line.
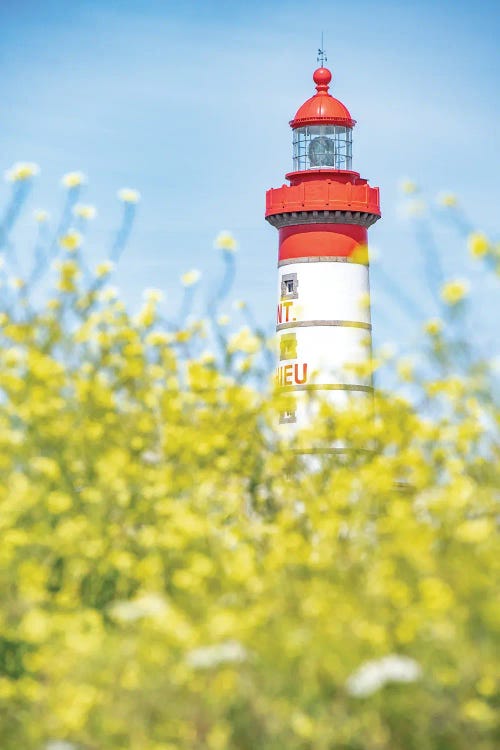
322	130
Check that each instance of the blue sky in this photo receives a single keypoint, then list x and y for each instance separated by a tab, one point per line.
190	102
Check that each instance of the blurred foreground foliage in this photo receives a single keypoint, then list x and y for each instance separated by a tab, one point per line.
175	578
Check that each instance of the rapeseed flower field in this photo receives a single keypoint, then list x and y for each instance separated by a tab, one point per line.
176	577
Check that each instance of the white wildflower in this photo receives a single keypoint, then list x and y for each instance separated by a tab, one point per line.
151	457
446	199
41	216
22	170
190	278
228	652
225	241
84	211
129	195
147	605
374	674
73	179
454	291
299	508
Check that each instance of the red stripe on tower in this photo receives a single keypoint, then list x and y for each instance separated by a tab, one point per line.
321	240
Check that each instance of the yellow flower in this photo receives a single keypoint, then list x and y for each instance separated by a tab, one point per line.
102	269
158	338
454	291
71	240
73	179
207	358
58	502
244	341
360	255
364	301
478	244
191	277
433	327
302	725
480	712
68	273
41	216
46	466
129	195
84	211
153	516
35	625
486	686
448	200
153	295
414	208
13	356
408	187
67	267
387	351
225	241
22	170
146	315
405	369
223	320
475	530
108	294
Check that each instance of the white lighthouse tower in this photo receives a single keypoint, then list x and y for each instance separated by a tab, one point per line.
323	314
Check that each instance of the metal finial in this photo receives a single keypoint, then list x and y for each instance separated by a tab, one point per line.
322	58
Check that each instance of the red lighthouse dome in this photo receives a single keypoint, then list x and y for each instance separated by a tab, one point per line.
322	108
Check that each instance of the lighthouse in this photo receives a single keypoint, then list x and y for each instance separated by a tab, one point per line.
323	215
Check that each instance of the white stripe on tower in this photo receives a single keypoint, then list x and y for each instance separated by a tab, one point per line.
324	328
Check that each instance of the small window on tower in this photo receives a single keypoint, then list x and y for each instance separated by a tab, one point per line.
288	417
289	286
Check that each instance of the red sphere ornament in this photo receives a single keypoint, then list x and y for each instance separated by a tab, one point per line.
322	77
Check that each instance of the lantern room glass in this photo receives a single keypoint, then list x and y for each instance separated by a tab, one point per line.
322	147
